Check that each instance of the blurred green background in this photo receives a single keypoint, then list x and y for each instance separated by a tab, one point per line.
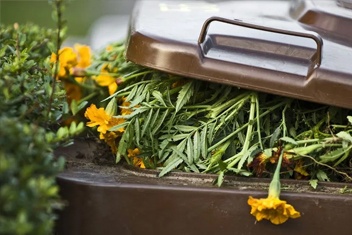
93	22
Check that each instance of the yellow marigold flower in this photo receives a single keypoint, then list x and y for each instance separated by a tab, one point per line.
110	139
105	79
125	111
73	91
116	121
299	168
133	153
70	58
273	209
97	117
84	55
67	60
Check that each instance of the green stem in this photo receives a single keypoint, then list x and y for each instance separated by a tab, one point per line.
275	185
258	122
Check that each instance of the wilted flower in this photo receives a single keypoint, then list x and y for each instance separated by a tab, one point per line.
133	153
272	208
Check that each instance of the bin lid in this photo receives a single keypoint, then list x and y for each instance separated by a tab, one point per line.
300	49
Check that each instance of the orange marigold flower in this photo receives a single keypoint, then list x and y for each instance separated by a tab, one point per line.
104	121
67	60
70	58
84	55
133	153
273	209
97	117
105	79
124	110
110	139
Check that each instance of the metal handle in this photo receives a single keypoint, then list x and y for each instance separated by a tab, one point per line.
318	40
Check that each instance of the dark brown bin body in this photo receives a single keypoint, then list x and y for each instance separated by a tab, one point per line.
122	201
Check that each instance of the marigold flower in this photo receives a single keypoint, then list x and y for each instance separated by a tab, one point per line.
71	58
104	121
273	209
125	111
67	60
105	79
133	153
84	55
97	117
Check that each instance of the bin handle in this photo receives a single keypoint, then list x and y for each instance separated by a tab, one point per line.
312	35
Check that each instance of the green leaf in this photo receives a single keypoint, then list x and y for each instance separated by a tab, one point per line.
111	108
160	122
146	123
172	165
197	146
117	127
118	157
189	150
343	158
275	136
203	137
72	128
333	155
220	178
179	137
313	183
345	136
125	141
349	118
74	107
289	140
184	95
322	176
184	128
137	131
157	95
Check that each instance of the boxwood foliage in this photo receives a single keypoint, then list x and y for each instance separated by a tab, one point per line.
28	131
28	192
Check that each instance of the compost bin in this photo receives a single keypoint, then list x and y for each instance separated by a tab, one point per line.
298	49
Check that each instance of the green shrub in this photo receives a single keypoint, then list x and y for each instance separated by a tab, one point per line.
29	130
26	74
28	192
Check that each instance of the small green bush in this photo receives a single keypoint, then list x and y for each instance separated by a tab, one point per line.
28	192
29	130
26	74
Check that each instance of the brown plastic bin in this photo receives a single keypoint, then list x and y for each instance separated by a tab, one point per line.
128	201
300	49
